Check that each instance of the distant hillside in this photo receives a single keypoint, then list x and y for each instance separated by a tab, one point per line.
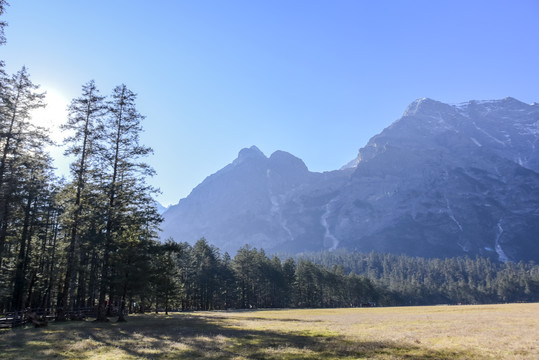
443	180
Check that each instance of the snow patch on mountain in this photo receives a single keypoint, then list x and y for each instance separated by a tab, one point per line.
487	134
476	142
451	215
276	209
349	165
501	254
328	236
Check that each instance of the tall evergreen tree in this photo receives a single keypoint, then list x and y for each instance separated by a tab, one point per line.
86	129
18	98
246	270
206	266
34	193
166	279
124	184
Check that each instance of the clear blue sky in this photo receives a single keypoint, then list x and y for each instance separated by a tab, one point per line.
314	78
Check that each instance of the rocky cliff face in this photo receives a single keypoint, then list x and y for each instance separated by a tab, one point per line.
444	180
448	180
253	200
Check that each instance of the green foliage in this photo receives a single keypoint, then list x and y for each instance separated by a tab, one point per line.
165	275
87	241
25	193
251	280
343	279
418	281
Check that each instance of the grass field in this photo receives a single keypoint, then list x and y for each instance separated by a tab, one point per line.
438	332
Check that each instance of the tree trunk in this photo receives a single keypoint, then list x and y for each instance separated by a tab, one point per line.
71	256
121	311
102	306
110	225
18	288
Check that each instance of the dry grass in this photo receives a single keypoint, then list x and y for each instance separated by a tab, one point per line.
437	332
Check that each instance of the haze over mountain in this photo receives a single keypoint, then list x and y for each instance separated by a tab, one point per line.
443	180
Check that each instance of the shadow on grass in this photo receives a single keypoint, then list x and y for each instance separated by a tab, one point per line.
184	336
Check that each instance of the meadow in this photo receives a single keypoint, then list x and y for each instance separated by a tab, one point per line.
509	331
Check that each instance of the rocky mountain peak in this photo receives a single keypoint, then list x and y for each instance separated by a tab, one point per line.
287	162
249	153
426	106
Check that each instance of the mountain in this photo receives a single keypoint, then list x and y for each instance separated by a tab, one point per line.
448	180
160	208
251	200
443	180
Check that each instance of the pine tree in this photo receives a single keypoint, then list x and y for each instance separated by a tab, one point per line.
206	267
85	127
18	97
36	170
129	205
166	274
246	270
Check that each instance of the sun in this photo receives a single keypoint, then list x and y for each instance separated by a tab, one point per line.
53	114
51	117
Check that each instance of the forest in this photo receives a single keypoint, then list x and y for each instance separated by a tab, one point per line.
90	242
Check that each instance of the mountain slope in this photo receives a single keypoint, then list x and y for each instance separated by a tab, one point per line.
249	201
448	180
444	180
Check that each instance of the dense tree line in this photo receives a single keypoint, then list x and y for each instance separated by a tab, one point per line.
199	277
80	242
419	281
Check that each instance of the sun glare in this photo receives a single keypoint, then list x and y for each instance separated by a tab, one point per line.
53	115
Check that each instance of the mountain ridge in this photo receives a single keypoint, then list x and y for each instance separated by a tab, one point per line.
443	180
